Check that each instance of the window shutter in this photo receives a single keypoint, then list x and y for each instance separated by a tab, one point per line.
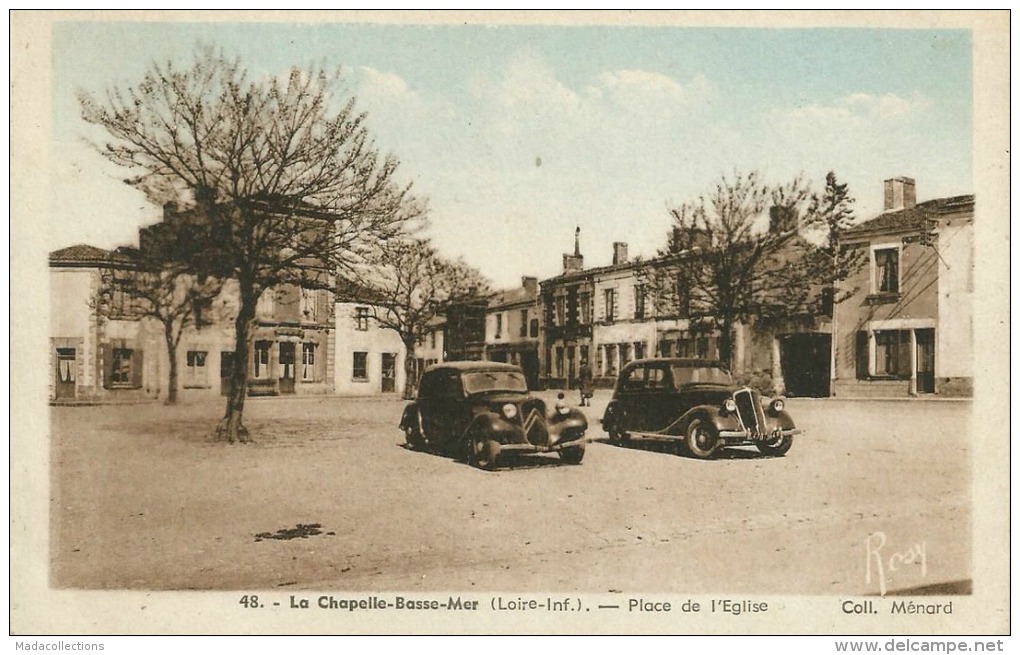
862	354
107	352
136	368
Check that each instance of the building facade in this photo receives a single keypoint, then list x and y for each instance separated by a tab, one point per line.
369	358
907	328
512	327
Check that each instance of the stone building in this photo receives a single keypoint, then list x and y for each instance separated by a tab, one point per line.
512	326
907	330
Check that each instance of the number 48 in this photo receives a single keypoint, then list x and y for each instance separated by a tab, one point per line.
251	602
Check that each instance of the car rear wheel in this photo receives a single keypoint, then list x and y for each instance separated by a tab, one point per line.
777	447
572	455
701	440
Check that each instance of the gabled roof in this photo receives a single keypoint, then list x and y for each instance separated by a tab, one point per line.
910	220
79	254
511	297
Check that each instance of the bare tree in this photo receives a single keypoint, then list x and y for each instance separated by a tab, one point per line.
733	256
408	284
283	180
146	285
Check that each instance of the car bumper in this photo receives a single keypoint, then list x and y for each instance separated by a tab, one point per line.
541	448
749	436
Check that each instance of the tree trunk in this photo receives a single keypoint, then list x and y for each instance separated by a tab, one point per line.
726	344
231	428
171	351
410	370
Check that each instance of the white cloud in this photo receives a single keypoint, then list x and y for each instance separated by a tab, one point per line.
860	109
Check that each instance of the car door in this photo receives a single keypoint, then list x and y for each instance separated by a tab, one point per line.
662	402
630	399
441	403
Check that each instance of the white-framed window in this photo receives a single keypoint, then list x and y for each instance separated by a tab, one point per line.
610	296
121	371
196	373
639	301
499	326
885	269
308	361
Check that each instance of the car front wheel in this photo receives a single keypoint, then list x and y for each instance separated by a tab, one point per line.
572	455
776	447
482	452
701	440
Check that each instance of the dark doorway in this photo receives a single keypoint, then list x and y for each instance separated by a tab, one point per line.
805	362
226	370
925	360
287	358
529	364
389	372
66	373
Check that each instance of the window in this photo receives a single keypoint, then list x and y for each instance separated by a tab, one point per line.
559	361
639	350
683	297
639	301
122	367
524	323
584	355
308	297
892	353
624	353
561	310
534	327
584	302
432	338
610	360
361	366
610	305
261	359
122	304
195	371
120	374
308	361
361	319
499	326
887	270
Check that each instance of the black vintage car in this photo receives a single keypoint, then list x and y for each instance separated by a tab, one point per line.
694	403
482	411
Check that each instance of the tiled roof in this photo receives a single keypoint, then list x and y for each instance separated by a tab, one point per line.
80	253
510	297
910	219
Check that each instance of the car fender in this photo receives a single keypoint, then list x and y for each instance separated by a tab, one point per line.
492	425
410	416
609	418
560	424
781	420
707	413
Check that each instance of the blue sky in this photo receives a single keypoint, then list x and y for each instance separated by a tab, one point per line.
518	133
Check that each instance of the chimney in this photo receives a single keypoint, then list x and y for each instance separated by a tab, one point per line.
782	219
574	263
619	253
690	237
900	194
530	285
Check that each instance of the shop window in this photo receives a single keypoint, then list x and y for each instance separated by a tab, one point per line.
308	362
260	359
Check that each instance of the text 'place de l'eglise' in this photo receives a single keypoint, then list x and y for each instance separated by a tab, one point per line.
904	327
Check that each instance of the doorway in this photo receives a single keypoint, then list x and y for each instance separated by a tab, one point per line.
925	360
66	373
389	372
287	366
805	360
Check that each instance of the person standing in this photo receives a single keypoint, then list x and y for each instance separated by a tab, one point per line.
585	383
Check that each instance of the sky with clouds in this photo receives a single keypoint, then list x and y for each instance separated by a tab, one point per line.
517	134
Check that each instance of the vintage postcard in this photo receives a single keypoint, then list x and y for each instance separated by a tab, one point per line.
676	323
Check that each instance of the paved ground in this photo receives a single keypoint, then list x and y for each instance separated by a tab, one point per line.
142	500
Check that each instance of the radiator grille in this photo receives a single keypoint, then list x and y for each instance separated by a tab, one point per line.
749	409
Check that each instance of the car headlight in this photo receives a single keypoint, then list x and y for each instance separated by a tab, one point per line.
563	409
777	405
730	405
509	410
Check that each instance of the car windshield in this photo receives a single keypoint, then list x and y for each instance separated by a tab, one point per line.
480	381
699	374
